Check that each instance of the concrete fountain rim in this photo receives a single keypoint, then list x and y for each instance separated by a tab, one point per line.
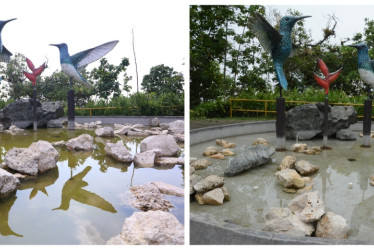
205	231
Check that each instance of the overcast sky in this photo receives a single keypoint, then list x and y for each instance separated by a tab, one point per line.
350	18
161	31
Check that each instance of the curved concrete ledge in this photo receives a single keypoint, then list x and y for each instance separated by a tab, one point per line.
205	231
124	119
209	133
208	232
205	134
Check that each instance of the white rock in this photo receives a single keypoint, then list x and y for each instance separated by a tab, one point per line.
306	168
200	164
48	155
209	183
309	205
8	183
123	130
23	160
152	228
104	132
169	189
118	151
289	178
169	161
332	226
82	142
214	197
176	127
145	159
288	162
165	143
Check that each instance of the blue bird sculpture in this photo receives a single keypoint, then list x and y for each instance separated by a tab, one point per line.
277	43
4	53
365	65
72	64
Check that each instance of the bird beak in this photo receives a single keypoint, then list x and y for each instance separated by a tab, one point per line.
353	45
7	21
302	17
56	45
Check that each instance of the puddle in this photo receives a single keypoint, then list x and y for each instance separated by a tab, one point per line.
83	200
256	190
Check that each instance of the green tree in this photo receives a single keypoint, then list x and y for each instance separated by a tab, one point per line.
163	79
105	78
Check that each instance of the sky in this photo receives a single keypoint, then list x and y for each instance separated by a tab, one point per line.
160	28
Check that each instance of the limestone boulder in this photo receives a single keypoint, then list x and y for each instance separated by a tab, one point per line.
152	228
288	162
123	130
209	183
176	127
211	150
166	144
54	124
214	197
225	143
8	183
145	159
309	205
148	197
227	152
306	168
83	142
332	226
22	160
104	132
169	161
250	157
289	178
200	164
118	151
168	189
193	180
261	141
47	155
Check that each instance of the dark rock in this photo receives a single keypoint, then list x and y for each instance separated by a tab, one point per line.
20	113
250	157
306	121
345	135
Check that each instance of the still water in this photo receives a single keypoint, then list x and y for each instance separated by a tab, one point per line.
84	199
346	163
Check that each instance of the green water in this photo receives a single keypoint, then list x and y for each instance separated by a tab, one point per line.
83	200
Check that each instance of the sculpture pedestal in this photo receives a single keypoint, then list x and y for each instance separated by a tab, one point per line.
34	109
71	110
367	124
280	124
325	124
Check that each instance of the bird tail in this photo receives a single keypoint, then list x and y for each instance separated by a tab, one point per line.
280	75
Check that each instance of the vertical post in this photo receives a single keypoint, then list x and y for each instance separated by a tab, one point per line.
325	123
367	124
266	108
34	108
230	108
71	107
280	124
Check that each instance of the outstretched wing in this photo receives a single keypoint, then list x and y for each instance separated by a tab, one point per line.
5	55
83	58
266	34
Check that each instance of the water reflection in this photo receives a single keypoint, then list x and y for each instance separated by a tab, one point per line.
40	183
5	206
73	190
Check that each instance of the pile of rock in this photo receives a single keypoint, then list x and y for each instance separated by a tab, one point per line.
290	174
84	142
303	148
306	214
153	226
13	129
214	153
209	190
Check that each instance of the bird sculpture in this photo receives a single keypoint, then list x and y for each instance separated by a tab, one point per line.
365	65
4	53
72	64
277	43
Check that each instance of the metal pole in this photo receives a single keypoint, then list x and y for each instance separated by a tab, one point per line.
34	108
280	124
367	124
71	107
326	123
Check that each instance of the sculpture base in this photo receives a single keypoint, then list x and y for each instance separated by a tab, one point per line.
71	109
71	125
280	144
35	126
365	141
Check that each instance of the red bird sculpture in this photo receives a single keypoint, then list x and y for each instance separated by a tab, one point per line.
35	72
329	77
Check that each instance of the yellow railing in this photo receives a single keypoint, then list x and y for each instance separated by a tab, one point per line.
105	108
266	110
